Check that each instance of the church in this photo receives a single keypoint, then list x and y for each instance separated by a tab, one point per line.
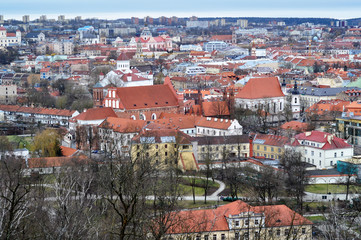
9	39
150	43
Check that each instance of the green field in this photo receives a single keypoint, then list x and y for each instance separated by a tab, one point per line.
20	142
331	188
316	218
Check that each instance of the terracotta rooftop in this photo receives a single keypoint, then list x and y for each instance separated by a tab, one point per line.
96	114
265	87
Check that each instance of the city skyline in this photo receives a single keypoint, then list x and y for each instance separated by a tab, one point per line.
111	9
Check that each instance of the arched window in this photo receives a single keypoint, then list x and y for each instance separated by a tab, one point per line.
142	117
133	117
154	116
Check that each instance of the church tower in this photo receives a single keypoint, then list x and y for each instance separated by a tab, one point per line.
295	102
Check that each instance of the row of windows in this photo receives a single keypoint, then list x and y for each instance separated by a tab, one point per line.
246	234
265	148
204	149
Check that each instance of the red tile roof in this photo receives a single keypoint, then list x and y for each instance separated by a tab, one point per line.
48	162
123	125
96	114
265	87
211	220
154	96
329	140
66	151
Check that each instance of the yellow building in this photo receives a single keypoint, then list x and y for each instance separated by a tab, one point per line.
269	146
165	148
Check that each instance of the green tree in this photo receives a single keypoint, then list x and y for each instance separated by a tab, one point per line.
47	143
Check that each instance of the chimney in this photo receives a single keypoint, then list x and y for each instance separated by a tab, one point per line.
129	77
250	146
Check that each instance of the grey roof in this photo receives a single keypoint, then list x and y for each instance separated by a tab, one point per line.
218	140
323	91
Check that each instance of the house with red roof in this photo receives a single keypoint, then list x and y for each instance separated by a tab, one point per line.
238	220
262	93
9	39
321	149
144	102
149	43
165	148
115	134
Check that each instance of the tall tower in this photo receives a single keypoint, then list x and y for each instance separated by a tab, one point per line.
253	51
295	102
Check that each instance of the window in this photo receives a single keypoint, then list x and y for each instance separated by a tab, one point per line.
341	154
156	154
165	146
205	237
320	154
312	153
223	236
265	148
331	163
237	224
257	147
271	149
246	222
214	237
303	230
166	153
156	146
256	221
256	235
286	232
270	232
278	233
335	154
236	235
198	237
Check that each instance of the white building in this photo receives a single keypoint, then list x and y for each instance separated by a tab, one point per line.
322	149
262	93
208	126
215	45
9	39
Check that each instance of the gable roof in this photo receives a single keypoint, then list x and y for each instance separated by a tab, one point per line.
96	114
147	97
123	125
211	220
265	87
329	140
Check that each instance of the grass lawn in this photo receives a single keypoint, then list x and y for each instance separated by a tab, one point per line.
189	204
188	190
316	218
332	188
20	142
200	182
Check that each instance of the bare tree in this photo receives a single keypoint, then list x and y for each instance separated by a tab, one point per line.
295	175
14	198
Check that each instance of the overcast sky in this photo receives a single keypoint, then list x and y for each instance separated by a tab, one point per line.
113	9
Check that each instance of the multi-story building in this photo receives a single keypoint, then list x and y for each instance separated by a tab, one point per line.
321	149
238	220
144	102
263	94
8	94
207	126
269	146
47	116
164	148
215	45
9	39
218	148
115	135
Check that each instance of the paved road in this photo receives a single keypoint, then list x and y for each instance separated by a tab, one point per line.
213	197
